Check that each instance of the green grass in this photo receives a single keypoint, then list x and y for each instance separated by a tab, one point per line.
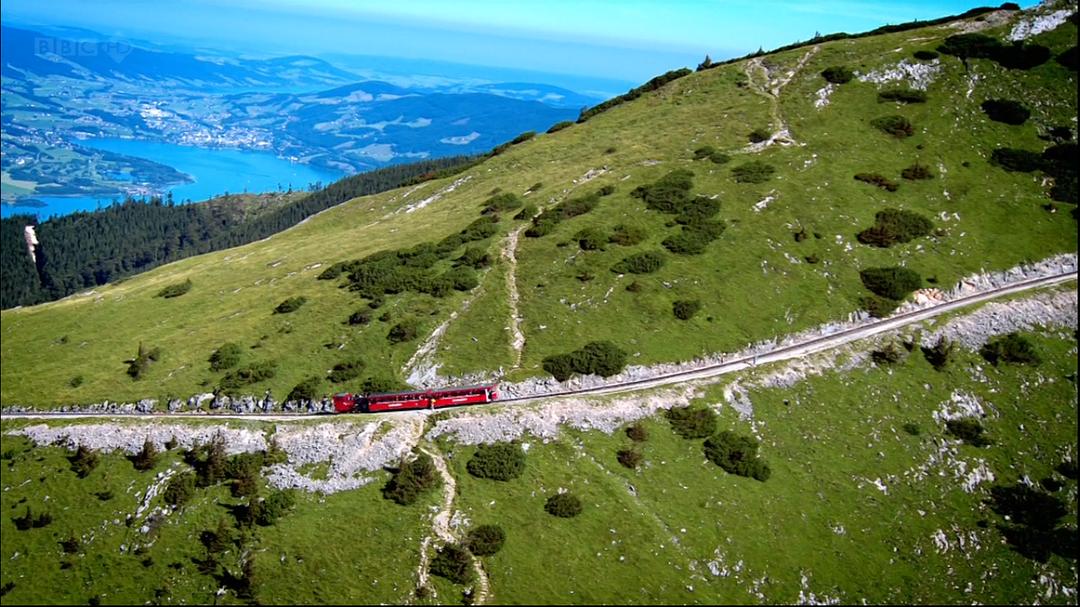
749	288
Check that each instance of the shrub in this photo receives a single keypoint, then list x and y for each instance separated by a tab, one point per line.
1068	59
640	263
939	354
669	194
290	305
359	317
879	180
560	366
704	152
925	55
501	203
890	354
247	375
692	422
970	46
634	93
902	95
968	430
175	290
629	458
226	356
28	520
754	171
591	239
453	563
878	307
635	287
837	74
405	330
685	309
485	540
180	490
564	505
1006	110
1015	160
76	381
694	238
912	428
1010	348
917	171
266	512
498	461
897	126
522	138
308	389
758	135
412	479
719	158
83	461
138	366
545	222
606	190
527	212
893	283
558	126
1020	56
345	371
737	454
601	358
626	235
379	385
637	433
1034	529
146	458
892	226
71	545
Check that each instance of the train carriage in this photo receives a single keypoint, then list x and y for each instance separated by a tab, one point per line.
423	399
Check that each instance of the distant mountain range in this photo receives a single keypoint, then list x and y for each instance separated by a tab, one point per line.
60	90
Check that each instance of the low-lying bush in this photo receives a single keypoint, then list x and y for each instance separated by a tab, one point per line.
893	282
627	235
1010	348
591	239
902	95
360	317
940	354
83	461
893	226
245	376
897	126
411	480
545	222
558	126
1006	110
1014	160
837	74
916	172
754	171
629	458
737	454
453	563
640	263
180	490
226	356
879	180
485	540
601	358
175	290
500	203
637	433
758	135
692	422
693	238
290	305
308	389
968	430
684	309
925	55
498	461
563	505
345	371
877	306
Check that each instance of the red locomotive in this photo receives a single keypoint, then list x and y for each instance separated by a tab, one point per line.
426	399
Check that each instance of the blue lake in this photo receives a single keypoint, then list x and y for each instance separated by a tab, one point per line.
215	172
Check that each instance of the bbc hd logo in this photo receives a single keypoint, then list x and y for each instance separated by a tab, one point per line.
115	50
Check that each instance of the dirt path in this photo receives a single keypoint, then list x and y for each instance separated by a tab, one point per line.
762	82
509	253
421	370
440	528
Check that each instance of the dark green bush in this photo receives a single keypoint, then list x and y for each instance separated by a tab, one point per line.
247	375
893	283
968	430
737	454
634	93
635	287
890	354
290	305
1068	58
694	237
269	510
83	461
560	366
226	356
1010	348
359	317
453	563
912	428
527	212
308	389
879	180
558	126
591	239
758	135
346	371
629	458
902	95
685	309
692	422
719	158
917	171
606	190
640	263
627	235
139	365
1006	110
837	74
146	458
940	354
545	222
669	194
180	490
1020	56
412	479
175	290
897	126
28	520
500	203
893	226
498	461
1034	528
405	330
564	505
485	540
522	138
970	46
877	306
925	55
754	171
1015	160
704	152
637	433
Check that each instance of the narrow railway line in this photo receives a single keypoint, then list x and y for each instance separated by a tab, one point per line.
781	353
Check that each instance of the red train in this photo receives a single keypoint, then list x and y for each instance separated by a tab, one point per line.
426	399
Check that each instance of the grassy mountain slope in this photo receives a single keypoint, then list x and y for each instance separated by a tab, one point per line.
753	282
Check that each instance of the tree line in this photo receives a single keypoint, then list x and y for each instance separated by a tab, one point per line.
87	249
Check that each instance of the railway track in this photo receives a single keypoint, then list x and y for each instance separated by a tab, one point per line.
780	353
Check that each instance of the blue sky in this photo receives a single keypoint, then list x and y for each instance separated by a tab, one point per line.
630	40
